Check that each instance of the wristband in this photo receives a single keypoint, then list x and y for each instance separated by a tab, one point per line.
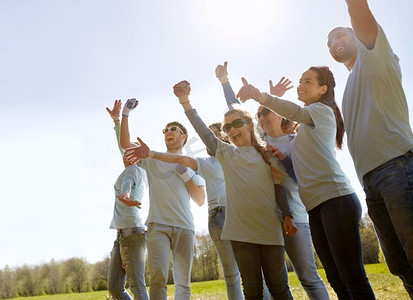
185	176
115	118
151	154
124	115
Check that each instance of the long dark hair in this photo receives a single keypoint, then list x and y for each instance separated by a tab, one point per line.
325	77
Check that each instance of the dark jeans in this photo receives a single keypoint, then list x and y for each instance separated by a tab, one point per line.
254	260
389	197
335	229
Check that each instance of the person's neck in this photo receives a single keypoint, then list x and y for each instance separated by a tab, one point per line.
350	63
275	132
175	151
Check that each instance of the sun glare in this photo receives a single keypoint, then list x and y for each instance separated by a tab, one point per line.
231	19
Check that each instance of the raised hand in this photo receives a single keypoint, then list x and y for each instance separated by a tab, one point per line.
281	87
136	153
182	90
248	91
129	106
114	113
221	72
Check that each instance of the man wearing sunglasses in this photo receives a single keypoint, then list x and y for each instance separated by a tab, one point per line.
170	221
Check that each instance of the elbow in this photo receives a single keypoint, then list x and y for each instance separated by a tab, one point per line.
201	198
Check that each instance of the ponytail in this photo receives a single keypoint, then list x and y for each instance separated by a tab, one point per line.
325	77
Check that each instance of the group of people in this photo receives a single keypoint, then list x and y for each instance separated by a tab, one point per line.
276	186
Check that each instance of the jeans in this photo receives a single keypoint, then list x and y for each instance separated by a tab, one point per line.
256	259
161	240
389	197
225	253
335	229
299	249
127	263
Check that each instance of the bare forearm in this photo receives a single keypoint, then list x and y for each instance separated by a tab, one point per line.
363	22
176	159
124	133
197	192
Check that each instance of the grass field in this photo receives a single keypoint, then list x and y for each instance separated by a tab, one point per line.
385	286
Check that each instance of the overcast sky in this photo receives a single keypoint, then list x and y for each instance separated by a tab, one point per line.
62	62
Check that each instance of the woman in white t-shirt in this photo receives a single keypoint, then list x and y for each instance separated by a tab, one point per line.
333	208
252	182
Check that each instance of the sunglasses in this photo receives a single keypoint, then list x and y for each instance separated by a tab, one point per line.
263	113
172	128
237	123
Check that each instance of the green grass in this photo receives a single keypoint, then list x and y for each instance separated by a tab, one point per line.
385	286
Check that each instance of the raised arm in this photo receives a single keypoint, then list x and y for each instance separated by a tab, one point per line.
114	113
363	22
182	91
125	141
284	108
221	72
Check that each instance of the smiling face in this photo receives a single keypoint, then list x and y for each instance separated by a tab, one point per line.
342	46
309	90
269	121
174	138
239	136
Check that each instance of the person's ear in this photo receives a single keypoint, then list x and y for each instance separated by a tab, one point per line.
323	89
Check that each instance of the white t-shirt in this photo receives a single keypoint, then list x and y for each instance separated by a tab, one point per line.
251	212
375	109
210	169
168	195
296	205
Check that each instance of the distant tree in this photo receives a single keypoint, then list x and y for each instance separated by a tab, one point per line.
99	275
369	241
7	287
76	272
206	264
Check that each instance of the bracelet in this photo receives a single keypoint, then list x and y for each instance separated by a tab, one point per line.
123	115
151	154
115	118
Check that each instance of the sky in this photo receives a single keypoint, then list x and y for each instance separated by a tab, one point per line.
62	62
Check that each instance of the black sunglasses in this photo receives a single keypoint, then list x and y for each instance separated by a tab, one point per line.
172	128
264	112
237	123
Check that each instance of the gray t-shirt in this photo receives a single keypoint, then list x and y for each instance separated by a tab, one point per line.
375	109
168	195
210	169
319	174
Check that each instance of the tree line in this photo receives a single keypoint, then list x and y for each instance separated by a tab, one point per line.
76	275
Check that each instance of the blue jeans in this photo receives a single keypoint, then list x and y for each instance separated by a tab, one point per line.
127	263
389	197
299	249
256	259
335	229
225	253
161	240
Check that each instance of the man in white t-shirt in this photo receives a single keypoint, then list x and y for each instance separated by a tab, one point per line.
379	135
170	221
